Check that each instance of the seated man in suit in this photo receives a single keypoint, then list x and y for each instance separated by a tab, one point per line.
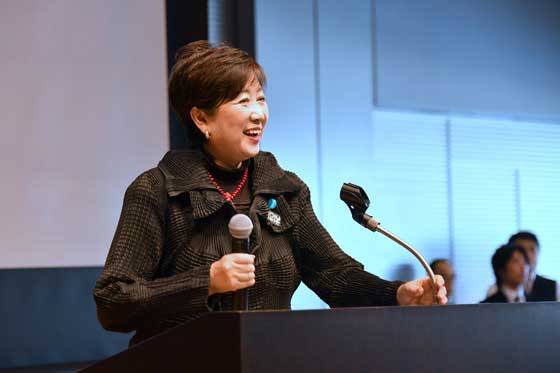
537	288
511	268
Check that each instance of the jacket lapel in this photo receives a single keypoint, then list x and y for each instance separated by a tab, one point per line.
185	172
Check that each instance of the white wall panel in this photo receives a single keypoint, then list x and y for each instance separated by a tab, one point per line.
408	188
83	111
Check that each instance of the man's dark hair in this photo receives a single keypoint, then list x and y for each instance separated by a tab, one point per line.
502	255
437	261
524	235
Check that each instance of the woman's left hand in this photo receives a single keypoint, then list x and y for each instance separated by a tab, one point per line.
421	292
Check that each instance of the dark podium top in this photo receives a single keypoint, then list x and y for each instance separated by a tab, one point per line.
462	338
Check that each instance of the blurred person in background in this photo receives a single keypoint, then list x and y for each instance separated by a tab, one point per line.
537	287
511	269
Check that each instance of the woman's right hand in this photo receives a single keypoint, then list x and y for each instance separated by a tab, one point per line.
232	272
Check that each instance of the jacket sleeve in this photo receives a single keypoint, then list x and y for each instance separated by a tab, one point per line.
338	279
127	295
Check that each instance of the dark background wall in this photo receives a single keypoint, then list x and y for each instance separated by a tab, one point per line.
486	57
48	317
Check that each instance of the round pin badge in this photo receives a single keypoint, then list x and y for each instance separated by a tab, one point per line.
272	203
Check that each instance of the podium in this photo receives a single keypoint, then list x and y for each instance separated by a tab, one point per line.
522	337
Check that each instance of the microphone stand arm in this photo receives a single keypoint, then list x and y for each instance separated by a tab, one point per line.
373	225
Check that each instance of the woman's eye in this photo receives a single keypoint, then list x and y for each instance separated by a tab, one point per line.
262	99
244	101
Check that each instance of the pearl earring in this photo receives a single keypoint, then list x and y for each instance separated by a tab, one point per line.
207	135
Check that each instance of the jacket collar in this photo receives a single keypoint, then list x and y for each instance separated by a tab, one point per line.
185	171
270	178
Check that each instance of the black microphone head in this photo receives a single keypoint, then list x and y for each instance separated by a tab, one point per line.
356	199
240	226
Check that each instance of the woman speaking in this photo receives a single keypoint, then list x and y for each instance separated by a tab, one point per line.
170	260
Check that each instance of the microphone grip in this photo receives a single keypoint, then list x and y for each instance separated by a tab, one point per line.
240	297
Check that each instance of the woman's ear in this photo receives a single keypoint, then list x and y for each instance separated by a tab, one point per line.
200	119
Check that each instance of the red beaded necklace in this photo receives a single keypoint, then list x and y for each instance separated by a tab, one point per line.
230	196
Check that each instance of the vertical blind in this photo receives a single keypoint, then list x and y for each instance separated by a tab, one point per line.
458	187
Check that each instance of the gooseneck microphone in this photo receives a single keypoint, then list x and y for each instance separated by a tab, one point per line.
240	228
357	201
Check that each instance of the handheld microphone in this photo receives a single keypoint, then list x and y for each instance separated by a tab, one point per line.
357	201
240	228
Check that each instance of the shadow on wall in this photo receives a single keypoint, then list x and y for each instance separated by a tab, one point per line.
403	272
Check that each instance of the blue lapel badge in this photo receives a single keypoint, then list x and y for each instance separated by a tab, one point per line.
273	218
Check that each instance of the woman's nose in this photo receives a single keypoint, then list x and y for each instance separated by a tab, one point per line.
255	117
257	114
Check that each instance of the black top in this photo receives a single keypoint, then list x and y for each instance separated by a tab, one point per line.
497	297
173	228
543	290
228	181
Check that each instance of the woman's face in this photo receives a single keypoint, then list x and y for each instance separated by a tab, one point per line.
237	126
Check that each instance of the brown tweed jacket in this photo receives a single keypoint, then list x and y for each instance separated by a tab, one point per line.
173	225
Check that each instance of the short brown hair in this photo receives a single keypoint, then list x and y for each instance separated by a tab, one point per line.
205	76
